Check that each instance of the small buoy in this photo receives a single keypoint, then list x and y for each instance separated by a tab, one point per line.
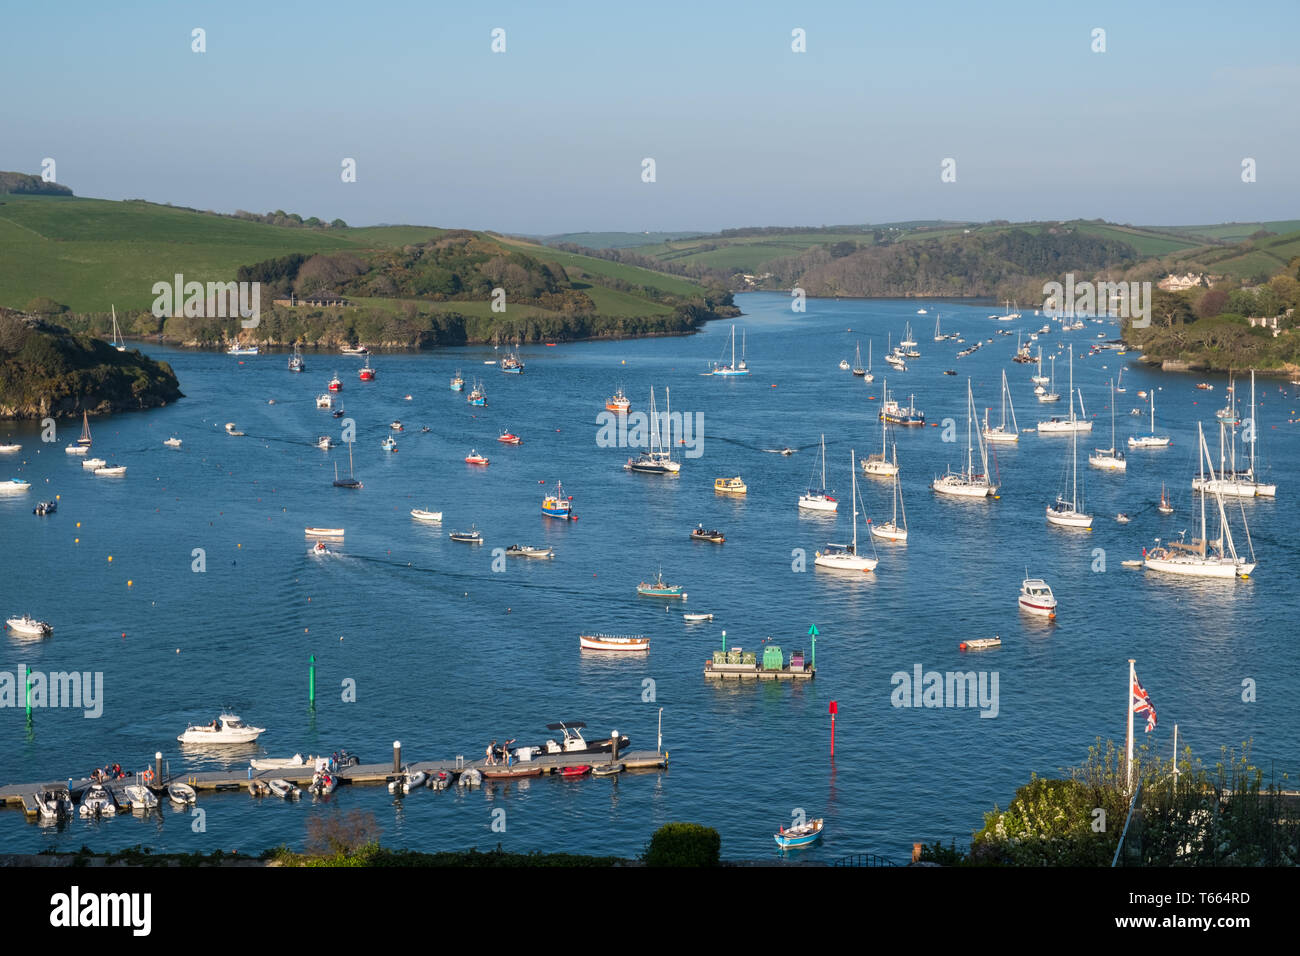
128	583
178	650
76	541
124	633
110	557
961	646
78	524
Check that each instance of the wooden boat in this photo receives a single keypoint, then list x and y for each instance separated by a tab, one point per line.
29	625
472	536
618	402
699	533
323	532
980	643
613	642
181	794
528	551
474	458
502	772
659	588
111	471
284	789
693	618
730	486
421	515
557	505
506	438
802	835
607	769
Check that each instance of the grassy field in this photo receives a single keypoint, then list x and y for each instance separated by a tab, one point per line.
1146	241
577	265
1230	231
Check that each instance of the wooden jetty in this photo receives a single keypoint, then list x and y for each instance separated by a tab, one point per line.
216	781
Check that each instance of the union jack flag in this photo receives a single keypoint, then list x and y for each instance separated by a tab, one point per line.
1142	704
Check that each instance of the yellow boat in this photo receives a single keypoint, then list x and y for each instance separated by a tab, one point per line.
730	486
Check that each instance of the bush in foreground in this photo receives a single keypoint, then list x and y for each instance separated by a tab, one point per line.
683	844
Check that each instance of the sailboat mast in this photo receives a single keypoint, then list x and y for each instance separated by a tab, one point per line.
855	500
1205	453
1254	431
823	463
970	413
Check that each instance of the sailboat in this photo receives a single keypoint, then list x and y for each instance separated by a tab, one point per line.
295	361
1051	394
1066	513
845	557
879	465
82	444
1059	425
857	361
117	342
658	460
1000	433
868	377
1040	379
937	336
733	368
1233	483
1109	459
1165	507
814	500
1153	440
968	483
351	480
1203	557
891	530
907	341
1119	385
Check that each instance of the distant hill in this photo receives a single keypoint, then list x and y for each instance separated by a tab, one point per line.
46	370
25	184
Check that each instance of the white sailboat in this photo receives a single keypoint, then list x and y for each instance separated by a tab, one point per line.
1064	513
1232	483
1040	379
1153	440
968	483
1119	385
879	466
843	557
1048	394
733	368
938	337
1057	425
658	460
1109	459
814	500
868	377
1204	558
907	341
82	444
1000	433
891	530
857	360
117	342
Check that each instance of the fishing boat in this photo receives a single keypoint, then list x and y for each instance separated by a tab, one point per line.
140	796
430	516
53	802
408	780
613	642
477	396
472	536
699	533
323	532
1036	596
880	465
284	789
1153	440
335	384
110	471
1165	506
98	801
357	349
696	618
82	444
660	588
618	402
9	449
474	458
801	835
45	508
896	414
892	530
528	551
226	729
1204	557
350	481
969	483
857	361
366	373
557	505
296	363
814	500
658	460
389	443
730	486
14	486
508	438
845	557
324	401
1001	433
512	364
181	794
980	644
172	442
1109	459
457	383
1063	513
237	349
732	368
90	464
29	626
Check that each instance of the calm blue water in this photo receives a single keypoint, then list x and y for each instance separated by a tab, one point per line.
446	654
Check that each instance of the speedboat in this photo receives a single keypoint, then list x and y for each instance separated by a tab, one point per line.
801	835
172	442
53	802
90	464
472	536
98	801
14	486
284	789
1036	597
527	551
572	741
29	625
421	515
698	533
1122	518
46	508
111	471
474	458
226	729
510	439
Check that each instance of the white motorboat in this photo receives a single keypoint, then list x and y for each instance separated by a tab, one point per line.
98	801
1036	597
278	763
53	802
77	449
695	618
140	796
845	557
968	483
29	625
90	464
172	442
814	500
421	515
407	781
323	532
111	471
14	486
226	729
10	449
528	551
324	443
324	401
844	364
980	644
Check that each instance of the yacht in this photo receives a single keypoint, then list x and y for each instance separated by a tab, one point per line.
226	729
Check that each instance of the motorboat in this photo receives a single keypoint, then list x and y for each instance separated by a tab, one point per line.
14	486
140	797
323	783
607	769
1036	597
980	643
324	401
730	486
473	536
558	505
474	458
694	618
324	443
232	430
98	801
572	741
389	444
258	788
699	533
613	642
90	464
320	549
396	425
408	781
619	402
53	802
801	835
506	438
29	625
528	551
357	349
284	789
421	515
323	532
278	763
172	442
111	471
660	588
46	508
469	777
226	729
844	365
296	363
1122	518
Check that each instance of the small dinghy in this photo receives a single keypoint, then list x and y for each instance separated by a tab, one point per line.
528	551
277	763
442	780
697	617
111	471
980	643
258	788
284	789
320	549
323	783
802	835
421	515
1131	563
181	794
324	443
323	532
699	533
46	508
172	442
607	769
98	801
470	777
1122	518
579	771
408	781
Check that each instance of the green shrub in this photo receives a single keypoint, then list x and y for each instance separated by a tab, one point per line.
683	844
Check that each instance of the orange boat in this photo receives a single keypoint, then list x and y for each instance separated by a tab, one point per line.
474	458
510	439
619	403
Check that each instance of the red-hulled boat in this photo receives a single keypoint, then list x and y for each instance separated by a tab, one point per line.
367	373
474	458
510	439
336	384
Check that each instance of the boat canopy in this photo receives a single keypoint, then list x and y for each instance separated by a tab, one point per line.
575	724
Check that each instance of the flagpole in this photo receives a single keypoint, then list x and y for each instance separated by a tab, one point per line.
1128	749
1175	758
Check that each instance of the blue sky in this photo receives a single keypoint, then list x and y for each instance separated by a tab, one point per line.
549	136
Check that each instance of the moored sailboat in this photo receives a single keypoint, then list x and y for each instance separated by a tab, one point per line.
814	500
1109	459
1000	433
968	483
845	557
